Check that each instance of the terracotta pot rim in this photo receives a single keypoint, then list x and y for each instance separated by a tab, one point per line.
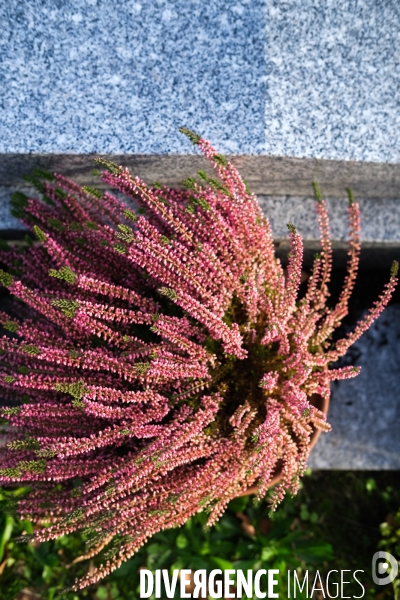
323	405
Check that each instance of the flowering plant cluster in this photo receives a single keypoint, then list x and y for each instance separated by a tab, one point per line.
163	361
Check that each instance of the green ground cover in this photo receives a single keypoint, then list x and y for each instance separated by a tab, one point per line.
337	521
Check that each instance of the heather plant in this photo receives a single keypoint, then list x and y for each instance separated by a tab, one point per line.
162	357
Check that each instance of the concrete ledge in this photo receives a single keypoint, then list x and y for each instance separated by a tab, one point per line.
283	187
266	175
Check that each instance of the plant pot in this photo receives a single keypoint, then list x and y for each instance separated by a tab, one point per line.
323	405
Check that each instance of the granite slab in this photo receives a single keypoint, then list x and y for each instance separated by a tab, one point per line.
365	411
260	77
380	217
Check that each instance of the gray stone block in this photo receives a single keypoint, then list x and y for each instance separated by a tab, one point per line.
365	411
310	79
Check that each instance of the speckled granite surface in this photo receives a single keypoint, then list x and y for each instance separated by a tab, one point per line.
380	218
105	76
365	411
317	79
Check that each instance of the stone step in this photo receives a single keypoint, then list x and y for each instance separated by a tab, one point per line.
282	184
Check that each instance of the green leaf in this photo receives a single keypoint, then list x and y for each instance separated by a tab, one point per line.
65	273
220	160
193	137
6	534
77	389
317	192
102	592
128	214
350	196
168	292
19	200
181	541
29	349
113	168
11	326
5	278
56	224
92	191
238	504
41	236
120	248
43	174
221	563
67	307
91	225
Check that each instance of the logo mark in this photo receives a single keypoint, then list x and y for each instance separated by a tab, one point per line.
379	569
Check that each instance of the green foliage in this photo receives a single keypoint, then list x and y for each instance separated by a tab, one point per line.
29	443
168	293
193	137
126	234
34	466
189	183
37	184
142	368
18	203
67	307
248	191
41	173
120	248
5	278
77	389
65	273
30	349
390	542
61	193
332	524
317	192
4	245
41	236
128	214
11	326
110	166
350	196
92	191
28	241
56	224
74	226
220	160
91	225
11	410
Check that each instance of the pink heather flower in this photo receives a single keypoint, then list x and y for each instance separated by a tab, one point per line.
163	361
